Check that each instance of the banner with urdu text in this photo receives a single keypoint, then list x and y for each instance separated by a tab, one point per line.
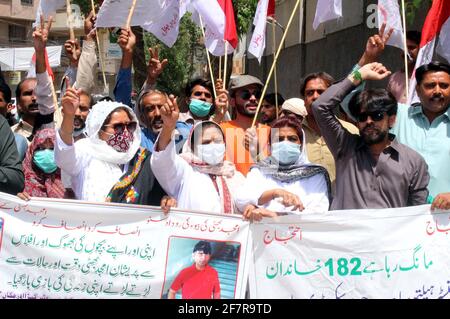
389	253
73	249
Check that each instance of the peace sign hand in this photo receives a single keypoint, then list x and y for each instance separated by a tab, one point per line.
40	34
155	65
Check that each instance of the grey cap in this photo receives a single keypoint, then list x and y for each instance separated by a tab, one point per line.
243	80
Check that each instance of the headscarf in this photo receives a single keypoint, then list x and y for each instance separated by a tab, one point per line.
100	149
301	169
218	173
38	183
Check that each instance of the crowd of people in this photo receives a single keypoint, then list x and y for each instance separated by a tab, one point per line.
335	146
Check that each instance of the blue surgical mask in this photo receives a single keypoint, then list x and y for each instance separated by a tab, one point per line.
286	152
199	108
211	153
45	160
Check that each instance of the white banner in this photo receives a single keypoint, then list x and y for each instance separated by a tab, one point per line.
19	59
389	13
73	249
392	253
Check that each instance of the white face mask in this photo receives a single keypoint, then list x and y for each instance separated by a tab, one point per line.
211	153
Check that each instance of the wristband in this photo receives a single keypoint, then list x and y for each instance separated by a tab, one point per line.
357	75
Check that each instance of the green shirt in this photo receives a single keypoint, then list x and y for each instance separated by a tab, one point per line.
432	141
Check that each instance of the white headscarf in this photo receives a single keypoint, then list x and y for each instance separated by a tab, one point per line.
100	149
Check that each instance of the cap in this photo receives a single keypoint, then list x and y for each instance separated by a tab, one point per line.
296	106
243	80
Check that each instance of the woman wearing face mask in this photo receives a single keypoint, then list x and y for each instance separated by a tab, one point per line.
201	103
286	181
199	179
108	165
42	176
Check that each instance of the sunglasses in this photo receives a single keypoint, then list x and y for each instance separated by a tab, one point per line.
199	93
375	116
120	127
246	94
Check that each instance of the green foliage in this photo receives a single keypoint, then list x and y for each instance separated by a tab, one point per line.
85	5
245	12
180	56
413	6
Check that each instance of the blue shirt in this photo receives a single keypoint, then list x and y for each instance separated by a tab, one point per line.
122	90
431	140
182	130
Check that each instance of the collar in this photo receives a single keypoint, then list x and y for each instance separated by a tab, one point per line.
395	145
417	109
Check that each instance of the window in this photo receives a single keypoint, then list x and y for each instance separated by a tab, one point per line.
17	33
26	2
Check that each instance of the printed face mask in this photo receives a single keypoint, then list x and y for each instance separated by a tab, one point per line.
121	141
199	108
45	160
286	152
211	153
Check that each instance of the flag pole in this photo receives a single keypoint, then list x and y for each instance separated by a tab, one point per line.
406	49
276	59
102	66
71	32
225	66
275	70
130	14
220	67
209	60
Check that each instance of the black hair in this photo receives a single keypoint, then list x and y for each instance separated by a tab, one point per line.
117	109
288	121
198	81
328	79
203	246
373	100
197	132
434	66
270	98
19	88
414	36
4	88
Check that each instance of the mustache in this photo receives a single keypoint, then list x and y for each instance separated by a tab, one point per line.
33	105
157	120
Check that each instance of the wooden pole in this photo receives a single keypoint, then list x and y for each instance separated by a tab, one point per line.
225	66
276	59
275	70
130	14
406	50
209	60
220	67
102	65
71	32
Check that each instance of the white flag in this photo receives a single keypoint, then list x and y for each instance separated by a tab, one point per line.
166	28
258	42
114	13
48	8
389	13
327	10
214	23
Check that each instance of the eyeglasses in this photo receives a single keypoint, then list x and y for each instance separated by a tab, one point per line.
200	93
246	94
375	116
120	127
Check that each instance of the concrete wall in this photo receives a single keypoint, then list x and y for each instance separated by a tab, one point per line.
334	47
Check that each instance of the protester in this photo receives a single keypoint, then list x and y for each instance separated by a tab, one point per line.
11	175
200	180
245	144
397	81
425	128
294	107
34	95
286	181
109	165
373	170
200	280
42	176
270	108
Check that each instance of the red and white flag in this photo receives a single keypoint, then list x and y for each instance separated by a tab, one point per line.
32	71
258	41
271	9
389	13
327	10
436	23
219	23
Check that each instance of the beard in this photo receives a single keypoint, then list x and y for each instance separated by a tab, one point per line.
156	124
372	135
244	109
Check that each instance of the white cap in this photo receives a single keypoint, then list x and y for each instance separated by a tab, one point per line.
296	106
